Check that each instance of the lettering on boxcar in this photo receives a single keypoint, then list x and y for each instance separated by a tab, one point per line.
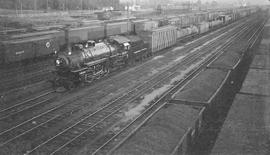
48	44
19	53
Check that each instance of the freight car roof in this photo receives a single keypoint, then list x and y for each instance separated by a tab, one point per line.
162	132
118	23
228	60
31	39
85	27
140	20
203	87
164	28
33	34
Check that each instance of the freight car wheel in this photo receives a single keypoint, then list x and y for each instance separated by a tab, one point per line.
55	83
69	85
88	78
107	72
98	77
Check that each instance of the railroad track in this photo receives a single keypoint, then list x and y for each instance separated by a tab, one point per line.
39	100
9	71
22	76
24	80
88	123
17	109
112	142
51	116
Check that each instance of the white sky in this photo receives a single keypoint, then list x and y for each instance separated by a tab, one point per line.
232	1
220	1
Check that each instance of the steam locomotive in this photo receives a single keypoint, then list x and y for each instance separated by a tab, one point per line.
85	62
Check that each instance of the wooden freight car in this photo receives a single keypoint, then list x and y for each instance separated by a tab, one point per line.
160	38
187	31
203	27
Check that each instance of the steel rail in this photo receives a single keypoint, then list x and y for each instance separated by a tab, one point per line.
15	109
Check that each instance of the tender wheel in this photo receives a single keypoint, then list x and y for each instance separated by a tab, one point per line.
69	85
53	83
107	71
98	77
56	83
88	79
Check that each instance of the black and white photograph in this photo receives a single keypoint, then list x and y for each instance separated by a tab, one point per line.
134	77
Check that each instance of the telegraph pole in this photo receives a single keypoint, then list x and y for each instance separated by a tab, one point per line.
81	4
128	19
20	5
65	5
47	5
81	7
35	5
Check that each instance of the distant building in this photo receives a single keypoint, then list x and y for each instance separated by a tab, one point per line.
8	4
145	2
59	4
104	3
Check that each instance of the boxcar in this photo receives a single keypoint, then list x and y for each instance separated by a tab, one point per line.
24	49
160	38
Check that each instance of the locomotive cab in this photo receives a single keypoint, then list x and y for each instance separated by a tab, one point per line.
126	46
123	44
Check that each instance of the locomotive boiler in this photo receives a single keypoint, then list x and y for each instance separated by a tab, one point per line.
85	62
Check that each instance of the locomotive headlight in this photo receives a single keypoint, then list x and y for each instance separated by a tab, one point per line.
57	62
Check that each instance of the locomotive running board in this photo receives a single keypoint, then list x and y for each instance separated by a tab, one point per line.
89	65
144	49
79	70
95	62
